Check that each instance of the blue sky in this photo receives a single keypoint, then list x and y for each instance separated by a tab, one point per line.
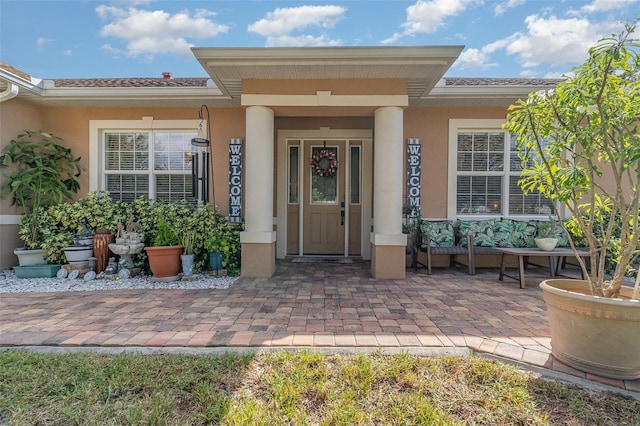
100	39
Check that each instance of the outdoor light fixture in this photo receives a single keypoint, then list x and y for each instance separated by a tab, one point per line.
202	165
200	140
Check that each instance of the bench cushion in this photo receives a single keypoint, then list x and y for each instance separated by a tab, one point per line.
515	233
481	231
439	232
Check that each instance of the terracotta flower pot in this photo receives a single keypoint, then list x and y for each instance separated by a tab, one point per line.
164	261
593	334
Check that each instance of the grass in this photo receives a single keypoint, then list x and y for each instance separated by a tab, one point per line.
291	388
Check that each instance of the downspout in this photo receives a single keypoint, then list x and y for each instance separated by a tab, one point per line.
10	93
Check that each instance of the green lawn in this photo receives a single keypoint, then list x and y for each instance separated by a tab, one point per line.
290	388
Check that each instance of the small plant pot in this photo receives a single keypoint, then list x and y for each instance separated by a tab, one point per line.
28	257
546	244
215	260
187	264
78	254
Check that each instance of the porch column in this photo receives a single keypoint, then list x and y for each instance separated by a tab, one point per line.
258	240
388	243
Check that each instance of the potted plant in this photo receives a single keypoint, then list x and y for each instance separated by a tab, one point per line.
188	255
164	255
580	147
42	173
545	239
220	247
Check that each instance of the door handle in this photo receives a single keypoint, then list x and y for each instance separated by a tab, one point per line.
342	213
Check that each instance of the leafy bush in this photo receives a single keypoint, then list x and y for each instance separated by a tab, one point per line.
60	222
165	236
43	173
613	243
224	239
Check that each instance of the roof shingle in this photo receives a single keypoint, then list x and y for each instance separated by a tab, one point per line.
132	82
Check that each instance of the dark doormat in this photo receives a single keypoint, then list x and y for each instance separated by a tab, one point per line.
321	260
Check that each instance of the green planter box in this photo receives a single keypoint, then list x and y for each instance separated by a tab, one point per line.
36	271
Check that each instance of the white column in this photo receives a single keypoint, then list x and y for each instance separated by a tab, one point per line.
259	176
388	243
387	207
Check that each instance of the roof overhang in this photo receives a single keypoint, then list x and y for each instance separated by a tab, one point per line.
44	92
478	96
421	66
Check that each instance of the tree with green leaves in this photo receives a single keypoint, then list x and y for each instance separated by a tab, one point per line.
579	146
42	173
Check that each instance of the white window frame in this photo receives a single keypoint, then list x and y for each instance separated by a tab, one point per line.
97	129
479	125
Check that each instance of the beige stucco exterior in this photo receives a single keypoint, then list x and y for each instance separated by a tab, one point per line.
383	92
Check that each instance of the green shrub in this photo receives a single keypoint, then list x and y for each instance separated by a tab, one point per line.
165	236
60	222
613	244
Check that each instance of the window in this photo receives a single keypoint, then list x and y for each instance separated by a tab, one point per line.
484	172
324	189
354	184
135	160
293	174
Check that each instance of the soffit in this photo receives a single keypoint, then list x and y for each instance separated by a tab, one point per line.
421	66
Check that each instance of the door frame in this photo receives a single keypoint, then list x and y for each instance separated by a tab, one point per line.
313	136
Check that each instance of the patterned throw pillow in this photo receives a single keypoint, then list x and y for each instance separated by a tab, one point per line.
515	233
440	232
481	230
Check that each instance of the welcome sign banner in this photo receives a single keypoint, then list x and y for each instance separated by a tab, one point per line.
414	173
235	180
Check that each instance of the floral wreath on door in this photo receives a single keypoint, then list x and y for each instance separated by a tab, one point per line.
324	163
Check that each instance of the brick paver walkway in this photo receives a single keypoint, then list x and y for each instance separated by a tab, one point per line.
319	305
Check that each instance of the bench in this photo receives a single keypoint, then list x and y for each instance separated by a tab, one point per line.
471	238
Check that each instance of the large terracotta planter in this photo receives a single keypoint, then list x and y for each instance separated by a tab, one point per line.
593	334
164	261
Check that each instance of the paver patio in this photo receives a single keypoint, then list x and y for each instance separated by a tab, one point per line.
302	305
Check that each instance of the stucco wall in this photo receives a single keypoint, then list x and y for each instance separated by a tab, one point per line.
15	117
431	125
73	125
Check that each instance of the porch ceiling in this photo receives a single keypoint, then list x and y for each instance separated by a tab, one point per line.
421	66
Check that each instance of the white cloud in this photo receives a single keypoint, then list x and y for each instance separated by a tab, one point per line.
501	8
548	40
473	58
479	58
279	27
606	5
151	32
556	74
113	51
555	40
427	16
42	42
66	52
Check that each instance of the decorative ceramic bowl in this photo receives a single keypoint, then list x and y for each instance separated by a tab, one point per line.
546	244
77	254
